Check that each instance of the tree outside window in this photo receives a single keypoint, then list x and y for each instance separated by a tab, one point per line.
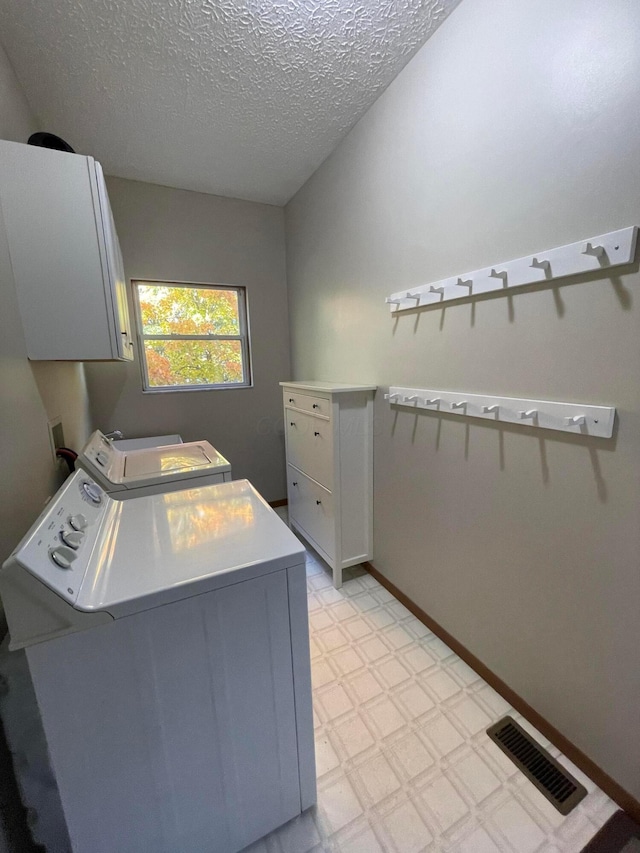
192	336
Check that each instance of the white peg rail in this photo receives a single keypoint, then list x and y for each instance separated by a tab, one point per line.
568	417
596	253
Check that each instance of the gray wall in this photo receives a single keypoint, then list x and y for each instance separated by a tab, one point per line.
176	235
516	128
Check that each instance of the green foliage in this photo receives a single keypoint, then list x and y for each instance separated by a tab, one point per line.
168	310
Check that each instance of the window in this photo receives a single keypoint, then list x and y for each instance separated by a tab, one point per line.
192	336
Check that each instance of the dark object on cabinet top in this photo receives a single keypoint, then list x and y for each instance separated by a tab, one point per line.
49	140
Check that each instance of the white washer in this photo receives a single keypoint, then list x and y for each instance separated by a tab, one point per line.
167	642
152	470
147	441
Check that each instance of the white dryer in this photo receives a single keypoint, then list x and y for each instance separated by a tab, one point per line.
167	642
152	470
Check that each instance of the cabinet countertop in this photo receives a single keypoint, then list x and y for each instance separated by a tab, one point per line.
328	387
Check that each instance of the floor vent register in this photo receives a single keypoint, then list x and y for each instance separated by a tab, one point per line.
550	778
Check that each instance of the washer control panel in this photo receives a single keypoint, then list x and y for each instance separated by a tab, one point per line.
100	453
58	546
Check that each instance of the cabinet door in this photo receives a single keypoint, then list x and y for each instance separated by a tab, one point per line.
310	445
311	509
65	257
115	282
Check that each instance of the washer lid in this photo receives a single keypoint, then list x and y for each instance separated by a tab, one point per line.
171	462
166	460
161	548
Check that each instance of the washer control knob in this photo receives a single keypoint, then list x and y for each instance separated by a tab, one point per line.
78	522
62	557
102	458
72	538
92	492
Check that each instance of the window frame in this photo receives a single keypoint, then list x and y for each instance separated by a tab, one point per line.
244	337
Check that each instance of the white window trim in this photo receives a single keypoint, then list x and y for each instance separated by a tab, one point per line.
245	339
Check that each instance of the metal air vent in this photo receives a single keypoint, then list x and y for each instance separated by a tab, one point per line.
550	778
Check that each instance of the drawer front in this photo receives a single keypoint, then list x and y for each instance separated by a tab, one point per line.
315	405
310	445
311	507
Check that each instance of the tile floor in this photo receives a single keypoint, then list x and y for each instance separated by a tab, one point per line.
404	764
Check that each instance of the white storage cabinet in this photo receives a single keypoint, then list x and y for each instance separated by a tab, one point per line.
65	255
329	441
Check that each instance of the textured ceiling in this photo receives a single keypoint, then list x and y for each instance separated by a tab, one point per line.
241	98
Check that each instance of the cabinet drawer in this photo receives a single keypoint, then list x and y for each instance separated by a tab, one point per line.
315	405
311	508
310	445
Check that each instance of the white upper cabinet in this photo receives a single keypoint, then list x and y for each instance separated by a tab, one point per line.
65	255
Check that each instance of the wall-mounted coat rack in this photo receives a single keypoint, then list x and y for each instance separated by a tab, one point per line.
596	253
576	418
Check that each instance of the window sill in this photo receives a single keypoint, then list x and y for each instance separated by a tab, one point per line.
179	390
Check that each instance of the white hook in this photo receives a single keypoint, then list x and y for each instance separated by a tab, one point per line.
532	413
499	274
543	265
410	295
468	283
411	399
433	289
391	301
491	410
576	420
596	251
433	402
461	405
391	397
